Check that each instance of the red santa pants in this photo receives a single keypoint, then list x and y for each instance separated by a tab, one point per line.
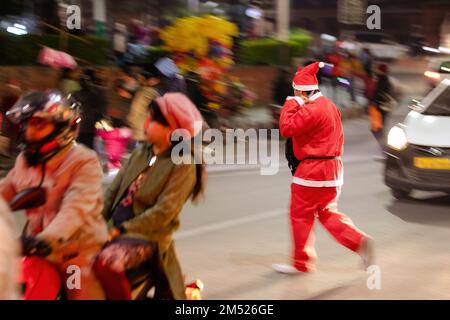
307	203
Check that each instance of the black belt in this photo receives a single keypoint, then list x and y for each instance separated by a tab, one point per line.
321	158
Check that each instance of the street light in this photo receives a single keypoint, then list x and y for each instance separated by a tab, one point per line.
16	31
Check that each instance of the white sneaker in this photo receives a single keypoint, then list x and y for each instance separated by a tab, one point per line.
286	269
367	253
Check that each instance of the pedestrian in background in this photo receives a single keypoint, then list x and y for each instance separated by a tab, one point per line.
69	81
282	87
175	81
366	59
92	98
120	43
153	86
381	104
9	132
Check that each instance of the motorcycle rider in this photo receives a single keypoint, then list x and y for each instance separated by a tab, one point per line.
68	229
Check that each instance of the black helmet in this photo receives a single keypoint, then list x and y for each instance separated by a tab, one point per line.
52	105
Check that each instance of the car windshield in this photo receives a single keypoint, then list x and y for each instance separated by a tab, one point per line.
440	106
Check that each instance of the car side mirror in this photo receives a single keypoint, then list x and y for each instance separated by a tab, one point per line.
416	105
29	198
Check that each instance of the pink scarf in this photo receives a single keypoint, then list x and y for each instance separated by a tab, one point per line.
180	112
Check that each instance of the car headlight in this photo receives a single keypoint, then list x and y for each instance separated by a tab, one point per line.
432	75
397	138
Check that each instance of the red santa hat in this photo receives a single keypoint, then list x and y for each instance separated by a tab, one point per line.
305	79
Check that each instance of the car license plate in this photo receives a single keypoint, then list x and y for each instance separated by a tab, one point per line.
432	163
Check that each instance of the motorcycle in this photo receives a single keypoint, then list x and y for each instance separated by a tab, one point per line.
40	279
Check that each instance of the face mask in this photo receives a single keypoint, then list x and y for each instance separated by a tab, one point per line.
40	151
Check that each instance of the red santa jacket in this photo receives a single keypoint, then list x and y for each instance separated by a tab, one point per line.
316	131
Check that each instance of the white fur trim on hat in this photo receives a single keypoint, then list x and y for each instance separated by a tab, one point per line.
321	64
305	88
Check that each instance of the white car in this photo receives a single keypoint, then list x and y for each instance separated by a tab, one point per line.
418	149
381	46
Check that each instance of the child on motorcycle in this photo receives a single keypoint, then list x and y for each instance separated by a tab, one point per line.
144	201
69	225
115	137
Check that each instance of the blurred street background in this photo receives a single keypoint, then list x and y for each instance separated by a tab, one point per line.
237	59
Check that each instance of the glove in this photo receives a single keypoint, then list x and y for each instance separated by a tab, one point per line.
35	247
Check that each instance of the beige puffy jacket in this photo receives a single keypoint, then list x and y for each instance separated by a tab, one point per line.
138	111
71	219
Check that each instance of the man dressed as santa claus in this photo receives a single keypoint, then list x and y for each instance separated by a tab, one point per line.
314	124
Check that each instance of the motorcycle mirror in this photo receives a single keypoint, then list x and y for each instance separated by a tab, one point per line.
29	198
416	105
